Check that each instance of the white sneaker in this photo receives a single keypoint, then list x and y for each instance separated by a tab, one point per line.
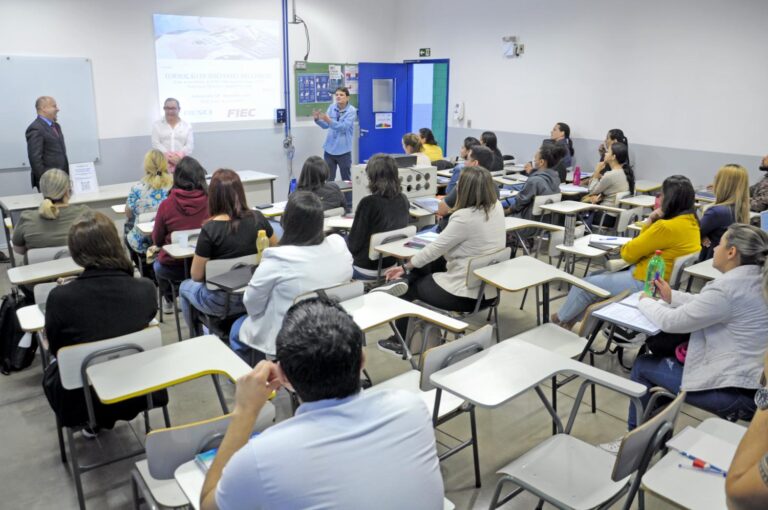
167	306
396	287
612	447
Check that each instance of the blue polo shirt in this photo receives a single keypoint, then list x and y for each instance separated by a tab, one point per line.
340	129
373	451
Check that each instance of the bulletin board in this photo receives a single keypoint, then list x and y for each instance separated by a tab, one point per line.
316	84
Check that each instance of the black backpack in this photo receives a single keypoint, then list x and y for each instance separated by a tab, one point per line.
13	357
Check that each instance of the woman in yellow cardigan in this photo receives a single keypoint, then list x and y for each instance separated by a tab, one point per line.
673	229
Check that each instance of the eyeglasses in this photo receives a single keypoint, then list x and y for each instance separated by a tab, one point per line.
170	108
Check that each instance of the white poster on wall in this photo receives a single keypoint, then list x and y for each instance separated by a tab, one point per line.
351	78
83	178
383	121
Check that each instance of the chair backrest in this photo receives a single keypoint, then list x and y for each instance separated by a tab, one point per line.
635	446
557	237
589	322
71	358
340	292
336	211
169	448
191	236
146	217
620	196
677	268
481	261
540	200
37	255
388	237
41	292
449	353
215	267
626	217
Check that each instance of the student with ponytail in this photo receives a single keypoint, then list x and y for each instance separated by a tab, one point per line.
48	226
617	176
146	196
614	135
561	135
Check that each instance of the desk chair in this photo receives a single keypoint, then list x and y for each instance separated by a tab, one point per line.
42	290
191	237
336	211
36	255
538	214
220	325
384	238
610	211
445	406
73	362
152	479
569	473
678	268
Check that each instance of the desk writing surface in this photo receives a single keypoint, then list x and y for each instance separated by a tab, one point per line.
582	248
277	209
43	271
177	251
397	249
644	186
138	374
567	207
377	308
704	270
512	223
146	227
31	318
639	201
338	222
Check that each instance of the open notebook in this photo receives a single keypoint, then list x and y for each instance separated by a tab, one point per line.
626	314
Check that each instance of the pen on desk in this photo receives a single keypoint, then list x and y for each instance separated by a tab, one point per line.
701	463
704	469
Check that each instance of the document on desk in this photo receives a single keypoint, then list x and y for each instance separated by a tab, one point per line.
628	317
570	188
632	300
428	203
700	444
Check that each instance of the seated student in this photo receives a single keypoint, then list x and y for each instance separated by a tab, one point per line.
731	205
613	135
314	178
469	142
673	229
488	138
48	226
385	209
343	448
105	301
230	232
542	180
186	208
476	228
758	192
146	196
429	145
607	182
478	155
305	260
716	339
561	135
746	485
412	146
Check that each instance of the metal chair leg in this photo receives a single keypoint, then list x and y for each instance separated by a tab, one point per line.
475	452
76	469
62	448
166	417
220	394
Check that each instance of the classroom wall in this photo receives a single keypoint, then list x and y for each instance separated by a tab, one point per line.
118	36
683	79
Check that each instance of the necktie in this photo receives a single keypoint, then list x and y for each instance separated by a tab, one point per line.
55	128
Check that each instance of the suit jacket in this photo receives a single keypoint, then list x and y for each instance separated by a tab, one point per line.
45	149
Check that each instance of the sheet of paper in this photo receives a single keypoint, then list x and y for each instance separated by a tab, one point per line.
83	178
629	317
610	240
570	188
705	446
428	203
427	236
632	300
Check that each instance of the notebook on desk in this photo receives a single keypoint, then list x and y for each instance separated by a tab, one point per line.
235	279
428	203
607	242
629	317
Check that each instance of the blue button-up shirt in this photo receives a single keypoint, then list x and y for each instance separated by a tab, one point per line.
373	451
46	120
340	129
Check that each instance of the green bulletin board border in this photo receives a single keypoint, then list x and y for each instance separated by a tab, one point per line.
305	109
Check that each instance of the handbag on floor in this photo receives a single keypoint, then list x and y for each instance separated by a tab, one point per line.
17	350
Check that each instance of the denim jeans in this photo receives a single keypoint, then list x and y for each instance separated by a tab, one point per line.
667	372
245	352
210	302
578	300
164	272
345	164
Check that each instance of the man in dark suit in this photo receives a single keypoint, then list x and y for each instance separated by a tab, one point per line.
45	141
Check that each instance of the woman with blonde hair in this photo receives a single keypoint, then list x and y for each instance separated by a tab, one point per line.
731	205
412	146
48	226
146	196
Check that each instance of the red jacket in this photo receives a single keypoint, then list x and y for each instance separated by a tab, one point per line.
182	210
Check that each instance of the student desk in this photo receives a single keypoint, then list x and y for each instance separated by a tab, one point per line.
118	208
643	186
508	181
43	271
178	251
579	249
515	224
146	227
338	223
686	488
570	209
508	369
645	201
31	319
570	190
445	173
704	270
521	273
144	372
277	209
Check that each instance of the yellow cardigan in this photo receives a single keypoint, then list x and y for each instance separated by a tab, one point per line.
675	238
433	152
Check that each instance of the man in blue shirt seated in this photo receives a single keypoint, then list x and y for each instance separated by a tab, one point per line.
339	120
469	142
342	449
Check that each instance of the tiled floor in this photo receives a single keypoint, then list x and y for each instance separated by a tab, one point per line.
32	475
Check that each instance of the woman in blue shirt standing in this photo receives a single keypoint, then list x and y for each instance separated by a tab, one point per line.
339	120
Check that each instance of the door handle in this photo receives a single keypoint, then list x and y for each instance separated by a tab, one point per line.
363	130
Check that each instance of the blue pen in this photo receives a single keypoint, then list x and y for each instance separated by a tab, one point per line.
703	464
706	470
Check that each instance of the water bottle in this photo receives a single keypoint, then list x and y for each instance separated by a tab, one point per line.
656	268
262	243
577	176
292	186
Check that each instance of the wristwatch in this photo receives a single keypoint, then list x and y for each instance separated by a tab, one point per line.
761	399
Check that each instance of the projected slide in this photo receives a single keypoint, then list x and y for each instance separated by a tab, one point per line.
219	69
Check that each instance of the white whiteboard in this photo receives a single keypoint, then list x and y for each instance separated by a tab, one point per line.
70	82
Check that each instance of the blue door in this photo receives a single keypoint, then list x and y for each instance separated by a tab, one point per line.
383	108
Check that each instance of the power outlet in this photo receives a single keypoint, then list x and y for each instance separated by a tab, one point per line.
469	123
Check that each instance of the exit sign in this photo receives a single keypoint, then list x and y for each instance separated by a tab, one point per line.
425	52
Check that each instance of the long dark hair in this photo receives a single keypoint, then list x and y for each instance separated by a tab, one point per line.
227	196
428	136
566	129
190	175
617	135
621	152
679	197
302	220
383	176
488	138
314	173
94	244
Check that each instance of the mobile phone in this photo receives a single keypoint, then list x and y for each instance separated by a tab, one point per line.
263	206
